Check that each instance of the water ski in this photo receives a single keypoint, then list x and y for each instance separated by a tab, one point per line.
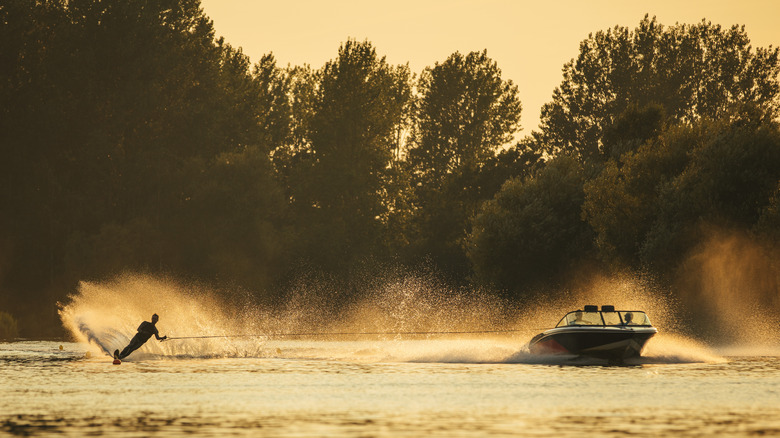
117	361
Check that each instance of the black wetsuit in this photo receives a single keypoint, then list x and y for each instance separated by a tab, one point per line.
145	331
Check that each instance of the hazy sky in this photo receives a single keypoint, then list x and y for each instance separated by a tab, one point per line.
530	40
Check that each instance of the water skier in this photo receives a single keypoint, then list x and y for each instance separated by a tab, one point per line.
145	331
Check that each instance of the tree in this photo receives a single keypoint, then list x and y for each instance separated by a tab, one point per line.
358	106
631	129
691	71
234	223
274	92
531	230
103	94
648	207
729	182
465	113
621	202
104	106
292	155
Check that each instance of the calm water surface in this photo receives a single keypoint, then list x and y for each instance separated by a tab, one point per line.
316	389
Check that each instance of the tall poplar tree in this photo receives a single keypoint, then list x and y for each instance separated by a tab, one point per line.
465	113
356	110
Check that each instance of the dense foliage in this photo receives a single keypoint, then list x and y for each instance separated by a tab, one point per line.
465	113
531	231
133	139
692	71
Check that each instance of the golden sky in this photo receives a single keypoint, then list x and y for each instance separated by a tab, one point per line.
530	40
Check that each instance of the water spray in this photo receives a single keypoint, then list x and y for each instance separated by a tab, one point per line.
105	315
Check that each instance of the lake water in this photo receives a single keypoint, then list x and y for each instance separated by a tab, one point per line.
457	387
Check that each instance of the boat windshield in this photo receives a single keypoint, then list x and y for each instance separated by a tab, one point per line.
635	318
611	318
581	318
616	318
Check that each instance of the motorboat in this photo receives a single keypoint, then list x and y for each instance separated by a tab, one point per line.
606	334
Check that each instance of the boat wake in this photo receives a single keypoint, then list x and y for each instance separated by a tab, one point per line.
671	348
664	348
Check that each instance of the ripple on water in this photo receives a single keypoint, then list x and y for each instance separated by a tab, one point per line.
52	391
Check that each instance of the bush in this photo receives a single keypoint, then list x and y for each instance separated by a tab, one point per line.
8	327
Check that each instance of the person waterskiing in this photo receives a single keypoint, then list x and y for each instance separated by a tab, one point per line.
145	331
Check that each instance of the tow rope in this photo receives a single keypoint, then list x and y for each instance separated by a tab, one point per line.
315	334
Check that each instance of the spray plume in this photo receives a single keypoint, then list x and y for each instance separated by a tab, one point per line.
105	315
729	284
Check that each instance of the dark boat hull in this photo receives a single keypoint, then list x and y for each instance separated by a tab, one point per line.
614	343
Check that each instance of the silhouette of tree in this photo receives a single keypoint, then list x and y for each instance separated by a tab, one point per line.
691	71
647	209
358	105
621	202
728	182
531	230
465	113
106	108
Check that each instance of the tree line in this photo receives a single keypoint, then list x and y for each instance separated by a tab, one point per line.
133	139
